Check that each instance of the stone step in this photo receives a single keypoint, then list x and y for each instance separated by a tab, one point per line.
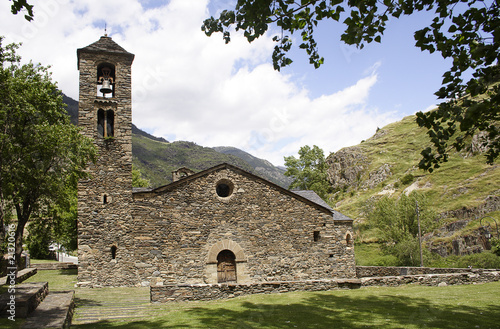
21	276
27	298
56	311
55	266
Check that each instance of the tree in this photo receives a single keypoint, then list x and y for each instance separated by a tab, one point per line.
398	225
18	5
41	152
138	180
468	31
308	171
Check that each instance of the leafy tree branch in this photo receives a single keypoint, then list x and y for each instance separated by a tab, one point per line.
468	31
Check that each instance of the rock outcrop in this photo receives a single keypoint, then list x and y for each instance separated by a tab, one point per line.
346	167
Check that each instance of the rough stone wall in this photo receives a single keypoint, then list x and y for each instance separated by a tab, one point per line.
179	231
182	293
377	271
186	292
106	222
432	279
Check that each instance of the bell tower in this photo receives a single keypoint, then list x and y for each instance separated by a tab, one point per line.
105	199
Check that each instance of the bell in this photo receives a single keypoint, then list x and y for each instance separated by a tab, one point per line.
106	87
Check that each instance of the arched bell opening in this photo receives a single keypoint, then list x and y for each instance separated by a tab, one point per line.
106	80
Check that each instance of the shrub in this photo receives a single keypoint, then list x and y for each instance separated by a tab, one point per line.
407	179
39	239
481	260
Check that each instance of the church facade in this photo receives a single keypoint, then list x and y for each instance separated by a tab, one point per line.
220	225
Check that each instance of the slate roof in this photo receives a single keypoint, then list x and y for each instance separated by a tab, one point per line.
312	196
105	45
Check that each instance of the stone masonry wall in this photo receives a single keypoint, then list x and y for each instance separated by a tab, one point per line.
179	231
105	200
182	293
187	292
377	271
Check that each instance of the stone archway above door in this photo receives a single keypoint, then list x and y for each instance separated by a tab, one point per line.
226	245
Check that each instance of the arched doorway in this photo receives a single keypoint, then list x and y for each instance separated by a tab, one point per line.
226	266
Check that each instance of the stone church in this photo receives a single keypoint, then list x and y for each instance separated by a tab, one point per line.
220	225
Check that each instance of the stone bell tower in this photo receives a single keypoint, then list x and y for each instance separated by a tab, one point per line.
105	199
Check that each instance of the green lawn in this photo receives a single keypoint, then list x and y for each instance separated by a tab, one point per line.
468	306
42	261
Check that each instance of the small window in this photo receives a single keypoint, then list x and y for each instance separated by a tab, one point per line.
113	252
106	123
104	199
316	236
348	239
224	188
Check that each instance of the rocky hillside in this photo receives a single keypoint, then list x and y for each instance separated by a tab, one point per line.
463	189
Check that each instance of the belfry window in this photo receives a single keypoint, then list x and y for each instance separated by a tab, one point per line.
105	123
106	80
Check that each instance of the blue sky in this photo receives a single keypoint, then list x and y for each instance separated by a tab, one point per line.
187	86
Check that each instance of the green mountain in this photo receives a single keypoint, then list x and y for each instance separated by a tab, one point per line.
156	158
261	167
462	191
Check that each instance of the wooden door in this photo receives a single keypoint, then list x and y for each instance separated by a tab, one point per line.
226	266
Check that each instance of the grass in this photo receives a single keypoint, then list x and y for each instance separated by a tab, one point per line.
370	254
468	306
42	261
58	280
472	306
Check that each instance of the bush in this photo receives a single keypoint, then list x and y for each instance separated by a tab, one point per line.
39	238
495	246
407	179
482	260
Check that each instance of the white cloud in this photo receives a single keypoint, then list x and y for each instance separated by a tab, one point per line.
194	87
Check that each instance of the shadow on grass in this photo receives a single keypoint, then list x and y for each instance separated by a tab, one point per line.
329	311
79	302
326	311
71	271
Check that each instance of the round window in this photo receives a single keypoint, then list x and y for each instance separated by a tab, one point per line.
224	188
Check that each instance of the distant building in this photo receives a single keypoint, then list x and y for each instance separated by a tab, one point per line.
216	226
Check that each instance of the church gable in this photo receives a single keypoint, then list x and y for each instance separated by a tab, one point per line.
256	229
225	188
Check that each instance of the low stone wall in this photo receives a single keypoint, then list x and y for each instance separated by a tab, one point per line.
22	275
4	263
191	292
54	266
27	298
378	271
432	279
